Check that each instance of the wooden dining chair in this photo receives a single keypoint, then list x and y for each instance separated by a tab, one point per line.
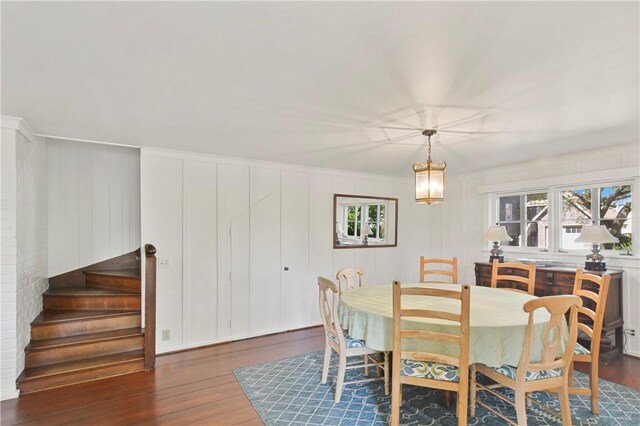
447	268
347	279
432	370
589	320
517	271
551	373
344	345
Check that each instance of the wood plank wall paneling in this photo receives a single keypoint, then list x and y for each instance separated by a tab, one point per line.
248	222
94	203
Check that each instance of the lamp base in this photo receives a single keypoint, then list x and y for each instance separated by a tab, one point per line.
595	266
500	259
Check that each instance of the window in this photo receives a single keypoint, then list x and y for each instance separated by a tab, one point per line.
529	222
365	219
375	221
533	220
353	219
604	205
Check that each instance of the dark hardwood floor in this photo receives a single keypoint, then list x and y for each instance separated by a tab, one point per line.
191	387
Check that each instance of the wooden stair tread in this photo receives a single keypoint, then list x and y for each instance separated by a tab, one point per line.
88	292
79	365
49	317
83	338
120	273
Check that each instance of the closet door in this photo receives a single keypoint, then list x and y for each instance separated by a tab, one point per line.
320	235
299	294
265	298
233	251
200	272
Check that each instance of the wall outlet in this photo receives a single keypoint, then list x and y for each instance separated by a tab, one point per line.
166	334
163	262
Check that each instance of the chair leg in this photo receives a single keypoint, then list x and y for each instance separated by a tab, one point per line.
325	367
472	390
386	373
396	394
366	365
342	367
593	385
462	407
565	409
521	408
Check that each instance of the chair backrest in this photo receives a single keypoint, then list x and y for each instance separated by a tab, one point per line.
591	313
551	338
461	339
529	280
347	279
328	299
425	269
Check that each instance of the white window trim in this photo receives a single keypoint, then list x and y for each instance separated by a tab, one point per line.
554	195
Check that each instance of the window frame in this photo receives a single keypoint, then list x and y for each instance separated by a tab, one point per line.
554	197
362	219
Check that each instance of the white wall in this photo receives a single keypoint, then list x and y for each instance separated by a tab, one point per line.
466	214
228	228
94	203
24	243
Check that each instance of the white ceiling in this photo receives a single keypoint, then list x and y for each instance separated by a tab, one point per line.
315	83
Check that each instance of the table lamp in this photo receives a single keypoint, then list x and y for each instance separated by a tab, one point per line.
496	233
595	235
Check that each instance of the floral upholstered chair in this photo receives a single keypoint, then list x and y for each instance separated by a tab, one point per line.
550	373
432	370
337	340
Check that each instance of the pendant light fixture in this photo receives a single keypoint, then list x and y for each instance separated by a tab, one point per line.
429	177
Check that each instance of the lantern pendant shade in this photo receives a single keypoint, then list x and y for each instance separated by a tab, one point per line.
429	182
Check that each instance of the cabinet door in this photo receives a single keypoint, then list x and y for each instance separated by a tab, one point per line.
200	279
233	251
264	223
299	294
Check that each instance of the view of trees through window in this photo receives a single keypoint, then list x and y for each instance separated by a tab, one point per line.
605	205
609	206
365	219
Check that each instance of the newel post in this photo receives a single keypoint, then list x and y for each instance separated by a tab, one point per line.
150	308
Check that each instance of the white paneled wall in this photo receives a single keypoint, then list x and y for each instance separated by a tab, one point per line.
246	240
466	215
94	203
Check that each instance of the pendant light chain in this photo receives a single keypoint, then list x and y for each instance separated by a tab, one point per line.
429	156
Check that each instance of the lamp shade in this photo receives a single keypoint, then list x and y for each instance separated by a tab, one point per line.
497	233
595	234
429	182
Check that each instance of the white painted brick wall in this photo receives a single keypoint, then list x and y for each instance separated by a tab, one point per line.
8	261
23	245
31	236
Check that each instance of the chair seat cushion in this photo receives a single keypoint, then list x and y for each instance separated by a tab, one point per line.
510	371
429	370
581	350
349	341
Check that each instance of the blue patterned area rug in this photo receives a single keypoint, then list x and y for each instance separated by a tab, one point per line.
288	392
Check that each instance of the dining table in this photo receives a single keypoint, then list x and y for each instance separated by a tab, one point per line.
497	322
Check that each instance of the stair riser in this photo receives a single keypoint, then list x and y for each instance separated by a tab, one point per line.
36	358
90	303
58	380
75	328
119	283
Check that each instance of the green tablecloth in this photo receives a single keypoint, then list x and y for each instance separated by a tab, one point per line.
497	322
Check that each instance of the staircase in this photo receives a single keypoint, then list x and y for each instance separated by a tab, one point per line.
91	326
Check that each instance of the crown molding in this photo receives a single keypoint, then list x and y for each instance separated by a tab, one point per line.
212	158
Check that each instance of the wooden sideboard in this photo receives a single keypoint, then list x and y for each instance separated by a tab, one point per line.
551	281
